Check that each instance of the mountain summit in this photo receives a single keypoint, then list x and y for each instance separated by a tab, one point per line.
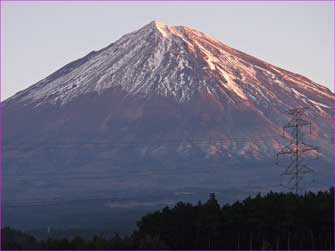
162	109
179	62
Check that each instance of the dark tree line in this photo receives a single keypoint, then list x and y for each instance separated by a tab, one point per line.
275	221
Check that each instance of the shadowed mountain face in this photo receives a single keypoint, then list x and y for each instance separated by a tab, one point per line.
162	109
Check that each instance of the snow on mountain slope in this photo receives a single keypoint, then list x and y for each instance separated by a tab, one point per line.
176	61
162	68
122	121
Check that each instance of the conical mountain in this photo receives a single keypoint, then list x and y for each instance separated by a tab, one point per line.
166	102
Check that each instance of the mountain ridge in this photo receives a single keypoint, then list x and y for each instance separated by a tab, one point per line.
184	42
100	126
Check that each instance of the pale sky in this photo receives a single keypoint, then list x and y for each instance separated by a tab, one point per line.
40	37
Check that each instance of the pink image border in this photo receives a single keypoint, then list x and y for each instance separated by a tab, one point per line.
120	1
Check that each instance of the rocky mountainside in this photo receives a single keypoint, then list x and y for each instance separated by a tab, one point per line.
162	107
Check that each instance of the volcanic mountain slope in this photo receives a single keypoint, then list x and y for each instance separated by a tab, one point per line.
142	99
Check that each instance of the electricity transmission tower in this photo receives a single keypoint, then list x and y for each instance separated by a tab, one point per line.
297	148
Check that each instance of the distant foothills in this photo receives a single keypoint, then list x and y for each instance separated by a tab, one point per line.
272	221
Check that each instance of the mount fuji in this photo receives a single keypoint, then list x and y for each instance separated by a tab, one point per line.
162	114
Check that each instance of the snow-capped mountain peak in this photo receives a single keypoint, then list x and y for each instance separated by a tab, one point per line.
164	103
178	62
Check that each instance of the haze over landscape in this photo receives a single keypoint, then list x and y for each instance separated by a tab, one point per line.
152	117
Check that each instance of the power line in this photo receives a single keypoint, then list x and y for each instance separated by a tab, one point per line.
192	141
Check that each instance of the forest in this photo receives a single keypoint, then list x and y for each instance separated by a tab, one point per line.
274	221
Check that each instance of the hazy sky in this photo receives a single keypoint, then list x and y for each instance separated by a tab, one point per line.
40	37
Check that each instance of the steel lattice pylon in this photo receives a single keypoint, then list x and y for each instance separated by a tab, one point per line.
296	148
